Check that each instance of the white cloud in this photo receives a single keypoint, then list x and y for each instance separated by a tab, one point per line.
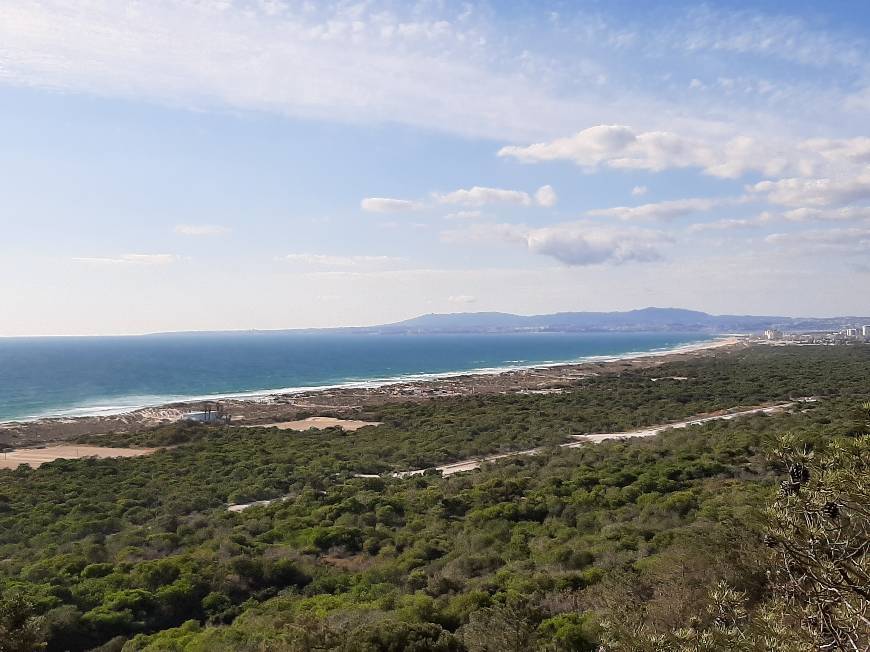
379	62
724	225
771	35
128	259
480	196
819	193
462	299
846	241
622	147
588	148
327	260
639	191
201	229
388	205
575	244
851	150
472	197
445	66
664	210
546	196
806	214
579	244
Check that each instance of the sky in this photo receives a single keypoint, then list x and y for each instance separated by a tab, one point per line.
261	164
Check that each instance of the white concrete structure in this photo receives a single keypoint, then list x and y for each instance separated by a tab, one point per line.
207	416
772	334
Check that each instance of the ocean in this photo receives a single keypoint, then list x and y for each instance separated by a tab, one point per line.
77	376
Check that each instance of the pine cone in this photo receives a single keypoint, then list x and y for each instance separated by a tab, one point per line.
799	473
831	510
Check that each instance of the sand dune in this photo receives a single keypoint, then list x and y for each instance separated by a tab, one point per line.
317	423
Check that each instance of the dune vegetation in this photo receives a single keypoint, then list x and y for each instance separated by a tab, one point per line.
690	540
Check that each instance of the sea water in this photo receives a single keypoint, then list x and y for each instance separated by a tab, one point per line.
75	376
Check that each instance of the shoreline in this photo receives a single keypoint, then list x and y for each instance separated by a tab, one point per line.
346	399
371	383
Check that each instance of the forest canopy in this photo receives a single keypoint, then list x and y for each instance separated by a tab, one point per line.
615	543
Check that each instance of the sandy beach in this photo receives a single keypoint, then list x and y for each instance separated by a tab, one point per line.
350	402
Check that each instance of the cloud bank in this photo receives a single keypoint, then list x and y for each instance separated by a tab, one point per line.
576	244
388	205
623	147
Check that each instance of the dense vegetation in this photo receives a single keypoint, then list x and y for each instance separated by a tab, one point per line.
531	553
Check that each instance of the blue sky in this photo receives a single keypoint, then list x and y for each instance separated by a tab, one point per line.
233	164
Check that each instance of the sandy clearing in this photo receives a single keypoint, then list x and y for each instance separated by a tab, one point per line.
649	432
38	456
241	507
317	423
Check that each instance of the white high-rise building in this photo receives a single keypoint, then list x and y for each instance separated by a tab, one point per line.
851	332
865	331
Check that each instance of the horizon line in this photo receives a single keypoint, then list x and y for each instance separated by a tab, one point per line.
416	316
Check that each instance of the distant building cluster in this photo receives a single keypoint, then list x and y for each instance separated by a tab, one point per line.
846	335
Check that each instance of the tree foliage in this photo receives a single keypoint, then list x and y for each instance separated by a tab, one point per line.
20	629
820	528
530	552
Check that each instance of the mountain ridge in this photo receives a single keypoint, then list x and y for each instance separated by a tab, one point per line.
650	319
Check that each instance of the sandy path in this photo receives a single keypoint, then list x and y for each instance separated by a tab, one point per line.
580	440
38	456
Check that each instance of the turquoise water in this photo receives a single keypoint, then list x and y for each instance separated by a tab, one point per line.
99	375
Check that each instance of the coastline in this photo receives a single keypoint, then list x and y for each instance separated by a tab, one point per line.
349	398
95	411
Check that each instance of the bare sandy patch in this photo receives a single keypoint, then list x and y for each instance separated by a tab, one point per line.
318	423
38	456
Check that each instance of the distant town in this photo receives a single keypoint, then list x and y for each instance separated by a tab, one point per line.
846	335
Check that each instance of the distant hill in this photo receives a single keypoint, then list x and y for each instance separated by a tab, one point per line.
646	319
643	320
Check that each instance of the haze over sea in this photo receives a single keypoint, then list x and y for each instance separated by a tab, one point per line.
76	376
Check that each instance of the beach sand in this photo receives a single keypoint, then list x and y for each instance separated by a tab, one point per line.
349	403
38	456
